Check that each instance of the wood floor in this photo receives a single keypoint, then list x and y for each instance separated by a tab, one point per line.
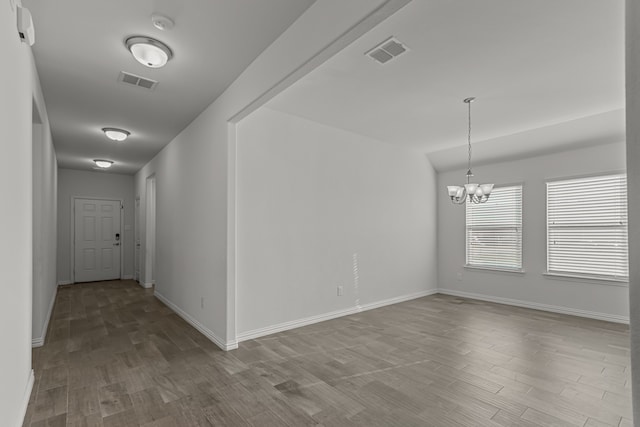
116	356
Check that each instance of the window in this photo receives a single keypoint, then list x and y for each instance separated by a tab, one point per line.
587	227
494	230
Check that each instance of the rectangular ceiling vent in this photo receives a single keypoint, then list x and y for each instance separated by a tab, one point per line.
139	81
387	50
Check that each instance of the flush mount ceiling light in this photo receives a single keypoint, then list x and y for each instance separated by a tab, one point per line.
149	52
116	134
104	164
477	193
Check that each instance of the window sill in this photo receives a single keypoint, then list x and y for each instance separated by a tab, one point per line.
495	269
590	279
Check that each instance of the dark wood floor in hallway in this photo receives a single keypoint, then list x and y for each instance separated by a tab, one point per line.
116	356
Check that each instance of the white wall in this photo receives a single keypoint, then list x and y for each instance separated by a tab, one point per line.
17	75
190	221
580	297
195	173
313	203
98	185
633	176
45	187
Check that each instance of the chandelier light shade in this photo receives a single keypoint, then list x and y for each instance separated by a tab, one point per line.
116	134
476	193
149	52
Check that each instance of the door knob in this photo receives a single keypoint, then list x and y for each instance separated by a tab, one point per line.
116	244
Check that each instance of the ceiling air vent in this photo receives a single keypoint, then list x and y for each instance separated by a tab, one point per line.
134	80
387	50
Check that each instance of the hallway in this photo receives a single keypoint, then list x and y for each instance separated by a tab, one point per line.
116	356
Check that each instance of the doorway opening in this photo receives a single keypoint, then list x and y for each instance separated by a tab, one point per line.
136	260
150	233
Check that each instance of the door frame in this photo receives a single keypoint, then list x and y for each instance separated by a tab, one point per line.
73	232
150	228
137	241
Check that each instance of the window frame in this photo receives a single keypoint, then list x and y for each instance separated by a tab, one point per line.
582	277
498	268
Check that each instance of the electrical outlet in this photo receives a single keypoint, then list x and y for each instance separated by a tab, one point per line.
202	302
340	291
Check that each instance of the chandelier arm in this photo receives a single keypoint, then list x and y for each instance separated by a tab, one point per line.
462	199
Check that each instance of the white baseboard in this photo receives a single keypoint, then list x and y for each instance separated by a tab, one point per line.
64	282
39	342
25	400
226	346
257	333
146	285
537	306
128	277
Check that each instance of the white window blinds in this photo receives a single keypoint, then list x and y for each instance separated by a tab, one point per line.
587	227
494	230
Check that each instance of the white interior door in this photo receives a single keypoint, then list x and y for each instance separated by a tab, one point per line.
97	240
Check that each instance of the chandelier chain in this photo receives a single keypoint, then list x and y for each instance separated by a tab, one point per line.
469	137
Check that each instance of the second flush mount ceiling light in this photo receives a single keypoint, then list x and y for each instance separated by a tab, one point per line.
116	134
149	52
103	164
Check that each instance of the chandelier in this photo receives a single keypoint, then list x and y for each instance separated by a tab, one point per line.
477	193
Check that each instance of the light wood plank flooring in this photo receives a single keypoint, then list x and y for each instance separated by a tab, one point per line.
116	356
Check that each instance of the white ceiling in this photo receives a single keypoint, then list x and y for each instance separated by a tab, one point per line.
80	51
547	75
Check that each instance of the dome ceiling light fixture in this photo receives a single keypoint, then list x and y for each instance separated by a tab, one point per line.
104	164
116	134
149	52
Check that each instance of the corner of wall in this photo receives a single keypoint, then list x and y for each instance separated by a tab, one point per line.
223	344
25	399
40	340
